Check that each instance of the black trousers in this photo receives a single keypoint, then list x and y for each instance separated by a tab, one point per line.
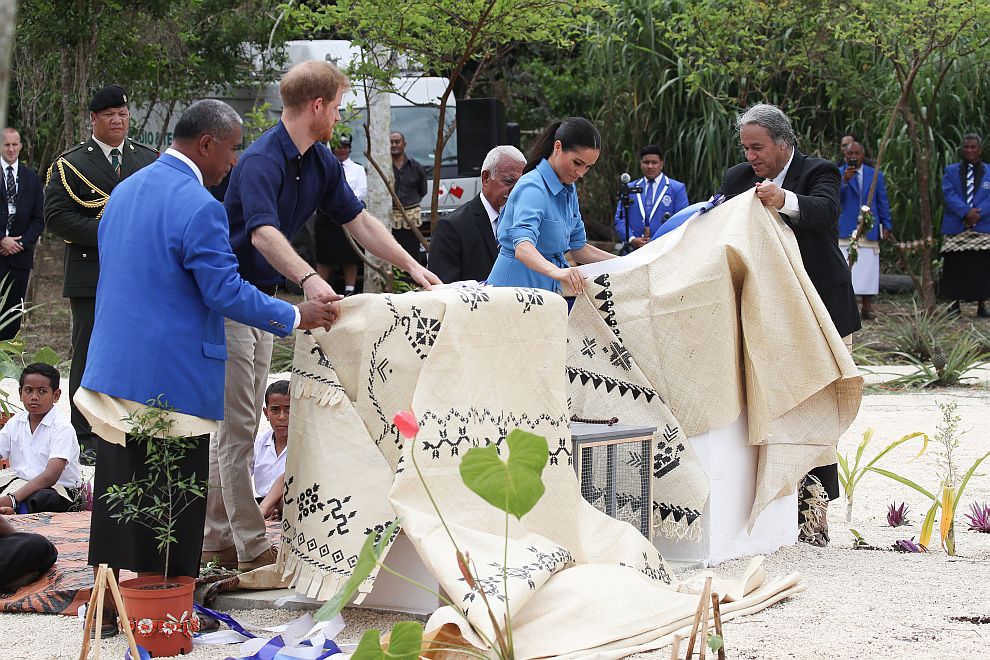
83	313
17	280
47	499
24	558
132	545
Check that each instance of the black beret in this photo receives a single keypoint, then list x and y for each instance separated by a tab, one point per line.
345	140
111	96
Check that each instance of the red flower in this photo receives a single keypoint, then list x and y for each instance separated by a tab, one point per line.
405	421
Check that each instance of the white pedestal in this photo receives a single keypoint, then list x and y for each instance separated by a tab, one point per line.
731	466
392	593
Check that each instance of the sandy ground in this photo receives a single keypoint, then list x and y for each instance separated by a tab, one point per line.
858	603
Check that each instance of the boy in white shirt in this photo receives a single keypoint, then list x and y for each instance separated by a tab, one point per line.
268	468
42	448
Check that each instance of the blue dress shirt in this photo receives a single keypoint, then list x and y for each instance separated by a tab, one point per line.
544	212
273	184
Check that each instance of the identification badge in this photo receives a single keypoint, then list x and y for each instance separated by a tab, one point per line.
11	209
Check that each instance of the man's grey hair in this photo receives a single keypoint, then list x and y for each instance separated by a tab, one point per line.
500	154
973	136
207	117
772	119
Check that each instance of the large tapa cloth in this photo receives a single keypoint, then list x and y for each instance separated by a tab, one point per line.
714	318
473	364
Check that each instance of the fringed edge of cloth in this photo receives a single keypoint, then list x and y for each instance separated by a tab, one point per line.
324	392
312	582
679	530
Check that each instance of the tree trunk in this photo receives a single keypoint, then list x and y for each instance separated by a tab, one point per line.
8	12
379	200
921	160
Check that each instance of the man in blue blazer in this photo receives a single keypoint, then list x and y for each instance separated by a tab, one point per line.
23	220
661	198
966	228
168	278
854	191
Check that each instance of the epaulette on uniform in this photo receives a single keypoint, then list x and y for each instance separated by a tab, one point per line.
65	153
137	145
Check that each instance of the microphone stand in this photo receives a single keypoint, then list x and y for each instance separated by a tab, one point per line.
626	191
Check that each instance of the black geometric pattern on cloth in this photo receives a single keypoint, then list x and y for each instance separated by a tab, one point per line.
339	515
607	306
382	371
529	297
597	380
322	359
657	573
967	240
588	349
677	512
618	355
380	528
544	561
472	296
296	541
667	454
421	331
563	447
452	428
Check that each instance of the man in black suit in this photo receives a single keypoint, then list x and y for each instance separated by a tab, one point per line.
805	191
79	184
464	245
23	221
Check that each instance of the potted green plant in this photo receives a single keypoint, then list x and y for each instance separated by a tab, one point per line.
159	608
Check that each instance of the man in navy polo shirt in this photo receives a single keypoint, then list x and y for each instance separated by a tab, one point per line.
280	180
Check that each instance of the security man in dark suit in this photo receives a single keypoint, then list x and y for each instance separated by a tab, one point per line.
79	184
22	220
464	245
805	191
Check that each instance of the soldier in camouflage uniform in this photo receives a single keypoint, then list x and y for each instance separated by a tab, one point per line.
79	184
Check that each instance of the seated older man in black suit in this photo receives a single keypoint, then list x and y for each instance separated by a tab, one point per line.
805	190
463	246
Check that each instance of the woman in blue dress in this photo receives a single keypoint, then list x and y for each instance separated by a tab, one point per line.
541	221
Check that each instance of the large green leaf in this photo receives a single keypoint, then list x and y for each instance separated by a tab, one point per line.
515	485
371	553
406	643
47	355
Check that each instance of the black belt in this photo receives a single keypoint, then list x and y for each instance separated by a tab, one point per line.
270	289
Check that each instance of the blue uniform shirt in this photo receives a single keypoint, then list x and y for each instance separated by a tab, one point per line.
545	212
273	184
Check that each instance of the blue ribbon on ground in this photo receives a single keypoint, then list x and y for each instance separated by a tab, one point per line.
274	645
271	650
223	618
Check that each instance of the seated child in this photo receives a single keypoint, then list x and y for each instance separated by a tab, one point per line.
24	557
42	448
268	468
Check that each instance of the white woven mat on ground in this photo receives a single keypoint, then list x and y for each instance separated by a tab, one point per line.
709	320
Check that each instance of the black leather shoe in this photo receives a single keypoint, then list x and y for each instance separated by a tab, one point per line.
208	623
108	628
954	309
982	312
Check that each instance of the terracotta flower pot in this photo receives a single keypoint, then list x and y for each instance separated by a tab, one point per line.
160	613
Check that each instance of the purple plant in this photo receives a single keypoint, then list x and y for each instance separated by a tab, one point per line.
979	519
897	515
908	545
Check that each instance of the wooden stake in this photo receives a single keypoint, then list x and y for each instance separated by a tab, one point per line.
94	611
702	610
675	648
717	617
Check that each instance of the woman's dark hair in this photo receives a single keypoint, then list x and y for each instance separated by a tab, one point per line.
573	133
